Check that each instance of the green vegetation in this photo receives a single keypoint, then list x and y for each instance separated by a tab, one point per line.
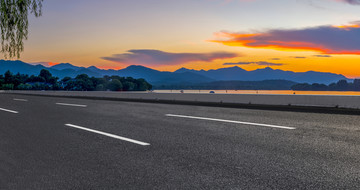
14	24
341	85
45	81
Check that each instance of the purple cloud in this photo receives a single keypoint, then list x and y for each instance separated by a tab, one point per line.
322	55
352	2
262	63
157	57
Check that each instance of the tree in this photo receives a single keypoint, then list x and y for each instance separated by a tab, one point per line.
66	79
24	87
142	85
83	82
14	24
115	85
357	84
100	87
342	85
45	74
8	77
129	86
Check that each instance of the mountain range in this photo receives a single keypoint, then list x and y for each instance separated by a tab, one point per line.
181	76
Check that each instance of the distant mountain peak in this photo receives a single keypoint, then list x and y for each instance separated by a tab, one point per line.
137	66
182	70
68	64
12	61
93	68
267	69
62	66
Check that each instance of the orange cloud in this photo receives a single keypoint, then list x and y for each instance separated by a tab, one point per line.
349	26
324	39
52	63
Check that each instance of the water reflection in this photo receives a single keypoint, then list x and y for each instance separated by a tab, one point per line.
352	93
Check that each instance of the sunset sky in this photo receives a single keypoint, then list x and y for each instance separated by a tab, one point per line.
295	35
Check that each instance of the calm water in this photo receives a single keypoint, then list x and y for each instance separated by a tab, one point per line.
263	92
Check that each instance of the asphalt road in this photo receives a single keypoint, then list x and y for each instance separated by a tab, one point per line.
63	143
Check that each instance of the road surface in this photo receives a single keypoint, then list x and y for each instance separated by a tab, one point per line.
64	143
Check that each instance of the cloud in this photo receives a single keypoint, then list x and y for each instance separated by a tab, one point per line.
44	63
228	1
157	57
262	63
322	55
323	39
352	2
299	57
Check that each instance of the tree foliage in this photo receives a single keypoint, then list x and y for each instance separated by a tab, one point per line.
46	81
341	85
14	24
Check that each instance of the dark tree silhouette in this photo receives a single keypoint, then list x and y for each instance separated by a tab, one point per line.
341	85
82	82
14	24
45	74
115	85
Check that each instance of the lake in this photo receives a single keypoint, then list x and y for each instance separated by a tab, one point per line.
350	93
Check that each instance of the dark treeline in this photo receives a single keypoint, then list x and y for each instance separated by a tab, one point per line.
341	85
45	81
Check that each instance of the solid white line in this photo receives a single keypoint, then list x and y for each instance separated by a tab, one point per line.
11	111
21	100
76	105
230	121
109	135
